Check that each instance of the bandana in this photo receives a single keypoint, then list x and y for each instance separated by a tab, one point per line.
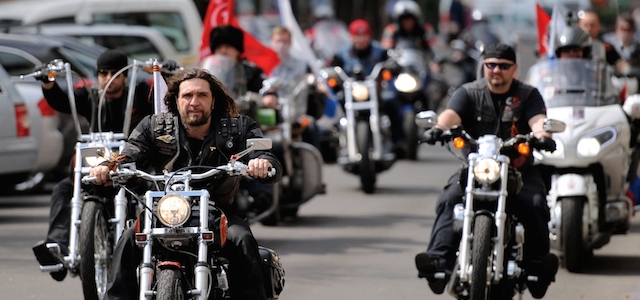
500	51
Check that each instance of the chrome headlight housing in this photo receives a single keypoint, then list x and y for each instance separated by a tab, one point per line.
590	145
359	91
173	210
406	83
486	170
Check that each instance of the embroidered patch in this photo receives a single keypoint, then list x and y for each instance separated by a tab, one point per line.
167	138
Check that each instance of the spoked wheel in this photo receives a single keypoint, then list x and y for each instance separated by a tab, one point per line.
94	250
480	252
573	233
169	285
411	131
367	165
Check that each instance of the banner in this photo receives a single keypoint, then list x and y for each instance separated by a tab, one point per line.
159	90
221	12
542	20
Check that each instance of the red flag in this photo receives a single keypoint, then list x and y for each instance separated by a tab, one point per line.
220	12
543	20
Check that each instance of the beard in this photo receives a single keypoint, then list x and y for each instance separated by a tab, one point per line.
196	120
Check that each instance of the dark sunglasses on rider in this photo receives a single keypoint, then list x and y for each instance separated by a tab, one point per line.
502	66
105	72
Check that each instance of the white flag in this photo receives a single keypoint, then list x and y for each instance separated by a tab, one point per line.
557	24
159	90
300	47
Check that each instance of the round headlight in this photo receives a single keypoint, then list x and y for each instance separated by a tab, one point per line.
406	83
173	210
360	92
486	170
588	147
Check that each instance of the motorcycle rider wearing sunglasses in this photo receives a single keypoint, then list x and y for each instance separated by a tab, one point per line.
502	105
108	63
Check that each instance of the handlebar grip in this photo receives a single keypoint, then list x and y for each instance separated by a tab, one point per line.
88	179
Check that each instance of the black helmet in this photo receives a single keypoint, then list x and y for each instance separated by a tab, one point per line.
573	37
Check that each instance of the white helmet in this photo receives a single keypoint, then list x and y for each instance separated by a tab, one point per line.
406	7
323	11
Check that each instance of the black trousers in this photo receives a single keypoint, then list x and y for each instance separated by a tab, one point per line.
60	214
530	208
241	250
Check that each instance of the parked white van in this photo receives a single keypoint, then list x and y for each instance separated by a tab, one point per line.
178	20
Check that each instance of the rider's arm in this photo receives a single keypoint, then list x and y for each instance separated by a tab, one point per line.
139	145
456	109
535	111
59	100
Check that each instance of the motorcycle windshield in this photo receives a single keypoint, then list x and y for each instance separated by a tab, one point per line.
573	82
330	37
222	67
410	57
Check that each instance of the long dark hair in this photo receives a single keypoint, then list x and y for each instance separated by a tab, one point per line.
224	105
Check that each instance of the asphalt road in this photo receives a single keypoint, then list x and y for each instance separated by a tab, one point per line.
344	245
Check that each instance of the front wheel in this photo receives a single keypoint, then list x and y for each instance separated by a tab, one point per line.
169	285
367	165
411	131
480	253
94	250
573	233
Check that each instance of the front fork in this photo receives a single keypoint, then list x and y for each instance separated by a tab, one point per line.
500	218
202	272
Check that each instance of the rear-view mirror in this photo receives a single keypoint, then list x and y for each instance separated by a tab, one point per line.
259	144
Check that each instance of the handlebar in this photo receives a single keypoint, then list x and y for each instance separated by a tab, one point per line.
122	175
52	69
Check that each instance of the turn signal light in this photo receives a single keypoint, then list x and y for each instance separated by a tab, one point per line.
386	75
458	143
332	82
141	237
524	149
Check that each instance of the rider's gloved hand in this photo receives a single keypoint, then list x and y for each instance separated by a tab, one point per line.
44	75
545	143
170	65
433	135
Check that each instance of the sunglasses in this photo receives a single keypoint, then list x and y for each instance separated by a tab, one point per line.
104	72
503	66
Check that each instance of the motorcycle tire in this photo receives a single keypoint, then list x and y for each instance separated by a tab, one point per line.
480	258
169	285
411	131
94	250
573	233
367	166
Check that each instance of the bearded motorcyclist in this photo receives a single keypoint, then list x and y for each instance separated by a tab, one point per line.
502	105
200	113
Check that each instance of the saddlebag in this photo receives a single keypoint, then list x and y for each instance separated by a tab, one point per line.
272	272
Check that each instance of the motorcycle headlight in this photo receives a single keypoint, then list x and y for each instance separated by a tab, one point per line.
406	83
589	146
173	210
486	170
360	92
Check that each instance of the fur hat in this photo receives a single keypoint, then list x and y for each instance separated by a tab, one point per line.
226	34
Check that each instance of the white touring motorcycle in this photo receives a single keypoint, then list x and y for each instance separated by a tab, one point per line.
588	171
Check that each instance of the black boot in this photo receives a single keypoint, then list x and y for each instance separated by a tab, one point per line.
545	270
46	257
428	267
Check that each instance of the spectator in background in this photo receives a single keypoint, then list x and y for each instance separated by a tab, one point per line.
590	22
291	72
623	39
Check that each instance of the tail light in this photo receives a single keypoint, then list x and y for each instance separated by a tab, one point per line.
45	109
23	122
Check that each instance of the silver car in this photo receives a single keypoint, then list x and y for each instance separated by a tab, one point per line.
23	129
